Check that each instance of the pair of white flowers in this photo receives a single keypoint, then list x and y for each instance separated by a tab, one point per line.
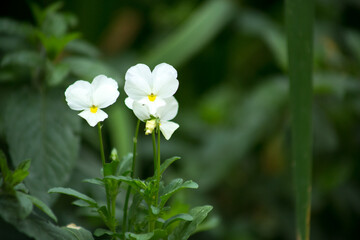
150	96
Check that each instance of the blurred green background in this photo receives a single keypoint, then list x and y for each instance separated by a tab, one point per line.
234	135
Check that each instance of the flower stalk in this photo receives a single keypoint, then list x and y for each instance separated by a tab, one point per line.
132	174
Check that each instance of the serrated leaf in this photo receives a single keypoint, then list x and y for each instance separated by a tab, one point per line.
178	217
167	163
42	206
74	193
52	131
174	186
184	230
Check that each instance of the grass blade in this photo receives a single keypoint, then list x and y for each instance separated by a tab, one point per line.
299	21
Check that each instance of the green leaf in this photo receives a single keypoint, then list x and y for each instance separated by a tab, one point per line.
74	193
255	23
57	73
80	46
167	163
79	233
143	236
96	181
26	205
100	231
198	30
178	217
299	24
21	172
42	206
5	171
11	27
137	184
51	129
36	227
125	164
174	186
87	68
22	58
81	203
184	230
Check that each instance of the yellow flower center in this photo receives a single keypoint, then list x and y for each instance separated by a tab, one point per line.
152	97
93	109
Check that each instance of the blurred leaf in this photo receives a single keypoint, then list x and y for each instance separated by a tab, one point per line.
299	23
22	58
144	236
184	230
252	119
34	226
74	193
352	38
5	171
87	68
56	73
42	206
25	204
44	121
82	47
252	22
100	232
11	27
205	23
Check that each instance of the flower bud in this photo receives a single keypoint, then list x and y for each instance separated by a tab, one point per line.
150	126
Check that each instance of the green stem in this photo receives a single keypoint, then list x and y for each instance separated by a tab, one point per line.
152	222
124	224
158	168
101	145
109	201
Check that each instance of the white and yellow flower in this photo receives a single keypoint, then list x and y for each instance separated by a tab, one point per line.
90	98
150	88
163	114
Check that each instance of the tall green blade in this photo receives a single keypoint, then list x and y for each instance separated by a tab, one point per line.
299	21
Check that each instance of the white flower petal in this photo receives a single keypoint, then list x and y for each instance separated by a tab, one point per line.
165	83
169	110
137	81
141	111
105	91
129	102
168	128
93	118
78	95
153	105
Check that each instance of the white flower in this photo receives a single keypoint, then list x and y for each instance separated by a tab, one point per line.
164	114
150	88
92	97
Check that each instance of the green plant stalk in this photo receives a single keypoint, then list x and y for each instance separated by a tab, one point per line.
108	197
299	23
152	221
132	174
158	162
